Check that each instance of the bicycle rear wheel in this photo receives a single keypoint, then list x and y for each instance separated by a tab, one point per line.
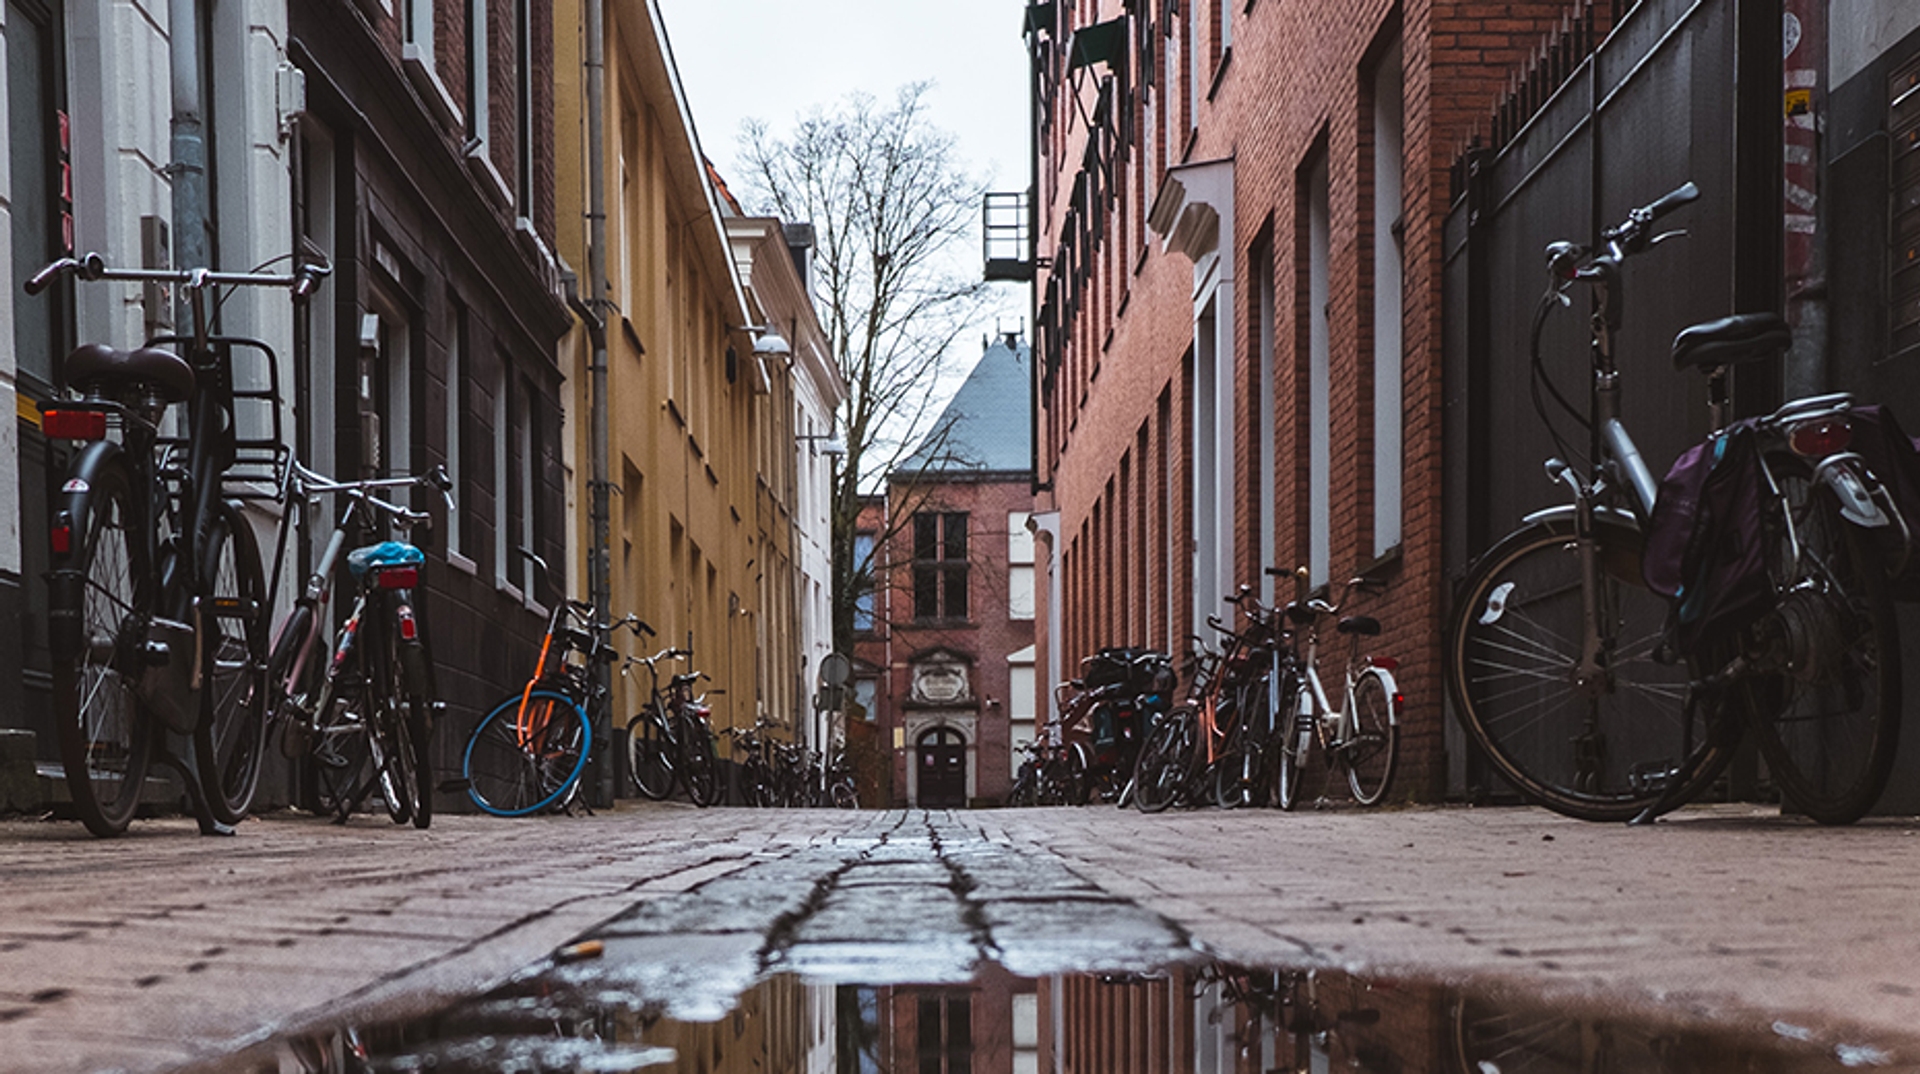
1602	751
231	741
650	755
96	605
1829	723
1374	743
699	771
517	764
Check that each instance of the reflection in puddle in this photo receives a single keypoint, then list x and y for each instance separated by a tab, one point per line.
1204	1019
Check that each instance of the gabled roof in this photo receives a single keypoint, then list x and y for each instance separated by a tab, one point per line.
987	427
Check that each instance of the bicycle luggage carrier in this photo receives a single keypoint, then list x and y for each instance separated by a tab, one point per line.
257	464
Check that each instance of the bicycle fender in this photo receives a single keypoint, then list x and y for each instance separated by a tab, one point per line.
1847	478
66	585
1565	512
1393	690
82	474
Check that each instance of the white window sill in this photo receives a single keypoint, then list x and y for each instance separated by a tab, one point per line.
462	564
418	63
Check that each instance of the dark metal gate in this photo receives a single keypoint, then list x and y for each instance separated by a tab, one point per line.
1625	104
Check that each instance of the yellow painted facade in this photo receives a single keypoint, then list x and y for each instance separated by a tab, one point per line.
690	421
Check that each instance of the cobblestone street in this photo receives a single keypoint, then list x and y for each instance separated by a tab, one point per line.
165	951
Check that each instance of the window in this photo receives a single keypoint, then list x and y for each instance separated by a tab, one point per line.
1319	376
1388	369
1266	431
864	574
946	1043
504	558
478	112
523	107
459	368
1019	567
41	213
866	694
939	566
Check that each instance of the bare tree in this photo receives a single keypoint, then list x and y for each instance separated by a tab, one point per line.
887	201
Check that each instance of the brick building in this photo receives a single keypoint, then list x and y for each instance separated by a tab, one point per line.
945	661
425	174
1237	211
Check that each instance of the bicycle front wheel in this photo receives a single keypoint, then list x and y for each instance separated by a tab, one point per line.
231	740
1296	738
1373	738
95	604
1828	722
650	755
1162	769
521	762
1601	750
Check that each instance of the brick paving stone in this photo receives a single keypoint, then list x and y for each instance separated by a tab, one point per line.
1728	911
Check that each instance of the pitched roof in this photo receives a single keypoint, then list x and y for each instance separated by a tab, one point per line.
986	428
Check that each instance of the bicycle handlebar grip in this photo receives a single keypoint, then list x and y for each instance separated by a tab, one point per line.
47	275
1681	195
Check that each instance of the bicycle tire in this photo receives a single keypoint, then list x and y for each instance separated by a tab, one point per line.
1512	647
230	743
1161	770
1371	751
699	768
649	755
288	693
1828	729
843	793
106	736
380	704
507	780
1296	741
407	730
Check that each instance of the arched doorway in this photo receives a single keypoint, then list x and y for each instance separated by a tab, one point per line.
942	757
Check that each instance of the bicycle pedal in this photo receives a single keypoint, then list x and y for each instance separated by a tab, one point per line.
330	758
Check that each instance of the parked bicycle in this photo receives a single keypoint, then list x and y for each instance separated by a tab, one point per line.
1178	761
1053	771
528	752
157	606
670	740
1103	715
362	709
1360	737
1586	691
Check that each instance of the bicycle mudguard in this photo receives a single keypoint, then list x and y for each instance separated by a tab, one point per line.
66	586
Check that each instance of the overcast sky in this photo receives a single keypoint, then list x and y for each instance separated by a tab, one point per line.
775	60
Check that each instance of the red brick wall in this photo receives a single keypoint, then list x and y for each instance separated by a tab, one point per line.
1297	84
986	638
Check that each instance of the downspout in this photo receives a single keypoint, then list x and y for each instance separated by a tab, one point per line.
593	313
188	171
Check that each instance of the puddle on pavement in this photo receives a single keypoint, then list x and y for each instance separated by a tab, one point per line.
582	1013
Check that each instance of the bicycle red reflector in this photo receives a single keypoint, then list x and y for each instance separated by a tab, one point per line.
1818	439
74	424
408	630
1384	663
399	577
62	540
1399	702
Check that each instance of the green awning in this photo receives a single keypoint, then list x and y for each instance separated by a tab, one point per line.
1104	42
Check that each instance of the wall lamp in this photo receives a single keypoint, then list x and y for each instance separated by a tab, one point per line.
824	444
767	342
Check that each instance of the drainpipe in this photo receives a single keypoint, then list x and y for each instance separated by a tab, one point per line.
188	171
599	582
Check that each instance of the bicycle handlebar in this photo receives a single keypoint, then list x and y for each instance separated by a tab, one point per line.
312	484
92	266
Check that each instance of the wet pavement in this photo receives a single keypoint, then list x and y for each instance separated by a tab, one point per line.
165	951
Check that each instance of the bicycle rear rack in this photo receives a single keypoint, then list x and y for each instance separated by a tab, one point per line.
257	468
